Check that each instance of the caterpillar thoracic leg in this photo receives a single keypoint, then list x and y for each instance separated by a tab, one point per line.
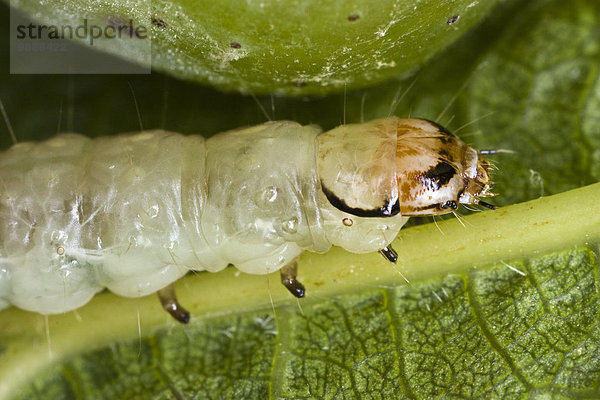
133	213
168	299
288	279
389	253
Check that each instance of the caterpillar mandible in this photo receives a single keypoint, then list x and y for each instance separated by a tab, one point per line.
133	213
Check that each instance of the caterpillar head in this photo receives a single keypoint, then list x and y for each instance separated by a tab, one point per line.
396	166
436	170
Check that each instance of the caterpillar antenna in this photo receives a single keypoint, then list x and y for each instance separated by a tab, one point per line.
487	205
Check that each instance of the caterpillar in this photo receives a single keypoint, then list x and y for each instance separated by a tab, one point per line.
134	213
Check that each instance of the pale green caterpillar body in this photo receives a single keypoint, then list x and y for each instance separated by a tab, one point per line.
134	213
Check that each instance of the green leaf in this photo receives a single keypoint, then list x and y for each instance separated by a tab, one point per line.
469	324
289	47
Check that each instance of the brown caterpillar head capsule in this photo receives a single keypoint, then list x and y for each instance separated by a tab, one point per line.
436	170
396	166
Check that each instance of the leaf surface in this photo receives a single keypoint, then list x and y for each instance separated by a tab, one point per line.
506	306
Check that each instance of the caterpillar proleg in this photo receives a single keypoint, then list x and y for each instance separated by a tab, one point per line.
135	212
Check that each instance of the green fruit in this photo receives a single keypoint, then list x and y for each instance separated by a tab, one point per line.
295	47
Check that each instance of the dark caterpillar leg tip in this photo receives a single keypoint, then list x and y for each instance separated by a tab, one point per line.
183	316
179	313
168	299
288	279
294	287
389	253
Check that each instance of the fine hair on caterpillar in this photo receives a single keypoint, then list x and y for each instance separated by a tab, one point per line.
135	212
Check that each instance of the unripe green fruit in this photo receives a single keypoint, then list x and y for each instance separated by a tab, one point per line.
292	47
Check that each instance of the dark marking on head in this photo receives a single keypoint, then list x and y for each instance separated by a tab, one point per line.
453	19
353	17
441	128
158	22
235	45
443	154
438	176
389	209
